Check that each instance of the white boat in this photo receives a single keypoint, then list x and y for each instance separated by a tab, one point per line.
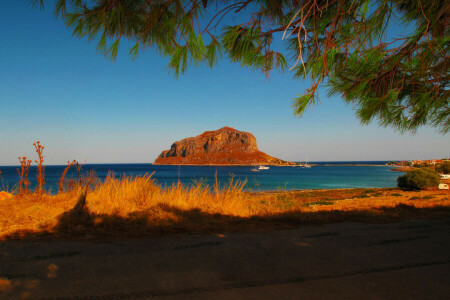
305	165
263	168
255	169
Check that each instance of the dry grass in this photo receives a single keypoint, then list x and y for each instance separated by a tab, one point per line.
136	206
133	194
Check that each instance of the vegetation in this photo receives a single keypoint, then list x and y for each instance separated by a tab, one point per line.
63	176
444	168
400	80
418	179
40	176
23	174
137	206
319	203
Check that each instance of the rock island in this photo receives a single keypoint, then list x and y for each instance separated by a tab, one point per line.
225	146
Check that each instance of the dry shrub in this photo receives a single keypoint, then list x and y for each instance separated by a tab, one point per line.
63	175
5	195
136	206
23	174
33	212
40	175
130	194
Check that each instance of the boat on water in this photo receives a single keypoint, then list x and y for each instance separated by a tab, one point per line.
259	168
305	165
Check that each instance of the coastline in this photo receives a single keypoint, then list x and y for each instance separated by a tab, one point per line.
278	177
384	189
350	165
229	165
402	168
275	165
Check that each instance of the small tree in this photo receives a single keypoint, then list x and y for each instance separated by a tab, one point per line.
444	168
418	179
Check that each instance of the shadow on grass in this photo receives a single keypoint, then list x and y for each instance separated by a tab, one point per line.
81	223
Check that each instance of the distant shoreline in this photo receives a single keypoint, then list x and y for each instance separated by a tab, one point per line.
226	165
246	165
402	168
350	165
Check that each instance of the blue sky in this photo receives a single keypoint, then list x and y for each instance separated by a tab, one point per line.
57	89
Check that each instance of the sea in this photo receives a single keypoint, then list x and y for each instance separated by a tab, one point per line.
324	175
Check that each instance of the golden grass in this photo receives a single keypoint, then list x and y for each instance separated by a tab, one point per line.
132	194
136	206
5	195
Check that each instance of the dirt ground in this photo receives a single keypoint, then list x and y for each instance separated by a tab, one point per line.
405	260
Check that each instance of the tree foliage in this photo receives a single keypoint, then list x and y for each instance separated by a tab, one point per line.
444	168
418	179
401	81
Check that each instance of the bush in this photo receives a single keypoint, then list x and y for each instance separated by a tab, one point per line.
418	179
444	168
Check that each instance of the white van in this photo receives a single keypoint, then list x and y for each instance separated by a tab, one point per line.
443	186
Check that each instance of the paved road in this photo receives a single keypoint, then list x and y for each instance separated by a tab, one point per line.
409	260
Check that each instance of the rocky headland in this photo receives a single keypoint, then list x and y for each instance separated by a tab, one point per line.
225	146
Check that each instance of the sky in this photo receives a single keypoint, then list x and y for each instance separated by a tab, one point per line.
56	89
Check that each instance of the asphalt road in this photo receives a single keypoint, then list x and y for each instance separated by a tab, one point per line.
409	260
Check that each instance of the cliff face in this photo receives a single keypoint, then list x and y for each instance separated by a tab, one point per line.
226	146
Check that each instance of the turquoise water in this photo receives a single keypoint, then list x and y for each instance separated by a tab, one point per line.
276	178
